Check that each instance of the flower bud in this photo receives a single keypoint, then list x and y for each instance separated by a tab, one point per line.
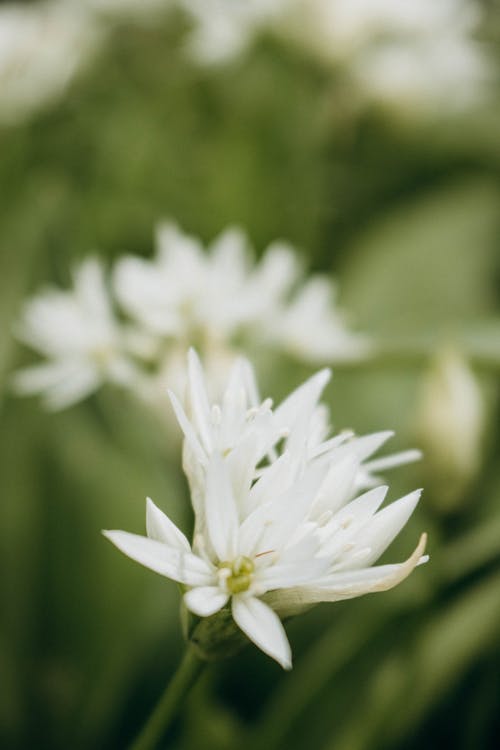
450	426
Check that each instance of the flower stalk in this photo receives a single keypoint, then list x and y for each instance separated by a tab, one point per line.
168	706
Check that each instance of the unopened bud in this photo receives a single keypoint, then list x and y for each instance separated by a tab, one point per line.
450	426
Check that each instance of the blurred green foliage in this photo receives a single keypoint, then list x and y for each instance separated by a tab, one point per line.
406	215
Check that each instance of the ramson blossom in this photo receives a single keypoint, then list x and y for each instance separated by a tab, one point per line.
218	295
78	335
279	525
417	52
42	47
136	329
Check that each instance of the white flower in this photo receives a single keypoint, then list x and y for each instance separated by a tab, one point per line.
42	46
405	52
77	333
186	291
223	29
273	534
216	298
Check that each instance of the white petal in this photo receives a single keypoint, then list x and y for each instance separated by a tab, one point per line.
263	626
205	600
303	399
394	459
81	384
221	511
250	381
188	429
241	463
198	399
349	584
271	525
337	487
38	378
183	567
274	480
162	529
380	530
288	575
363	507
368	444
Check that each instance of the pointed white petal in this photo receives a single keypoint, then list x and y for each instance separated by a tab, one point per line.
198	398
275	479
368	444
271	525
162	529
263	627
38	378
81	384
363	507
221	510
187	429
250	381
380	530
303	399
337	487
241	463
348	584
205	600
179	566
288	575
394	459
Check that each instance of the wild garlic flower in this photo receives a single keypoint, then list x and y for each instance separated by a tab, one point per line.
77	333
276	529
215	299
42	46
400	52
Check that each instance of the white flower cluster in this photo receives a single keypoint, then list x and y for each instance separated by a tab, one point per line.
136	329
404	52
42	46
417	52
279	521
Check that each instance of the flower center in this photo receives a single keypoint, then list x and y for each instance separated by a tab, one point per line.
238	574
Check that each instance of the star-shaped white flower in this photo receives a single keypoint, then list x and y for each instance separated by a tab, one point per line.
77	333
219	296
274	532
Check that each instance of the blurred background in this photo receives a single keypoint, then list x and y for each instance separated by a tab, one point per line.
367	135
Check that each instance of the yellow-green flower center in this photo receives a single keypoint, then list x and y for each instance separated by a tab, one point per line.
240	574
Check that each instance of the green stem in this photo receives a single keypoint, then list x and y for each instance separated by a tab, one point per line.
168	706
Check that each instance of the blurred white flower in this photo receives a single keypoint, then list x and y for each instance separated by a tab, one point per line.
42	46
78	334
420	53
187	291
216	298
274	534
222	29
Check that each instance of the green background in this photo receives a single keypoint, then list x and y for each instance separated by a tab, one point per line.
403	212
